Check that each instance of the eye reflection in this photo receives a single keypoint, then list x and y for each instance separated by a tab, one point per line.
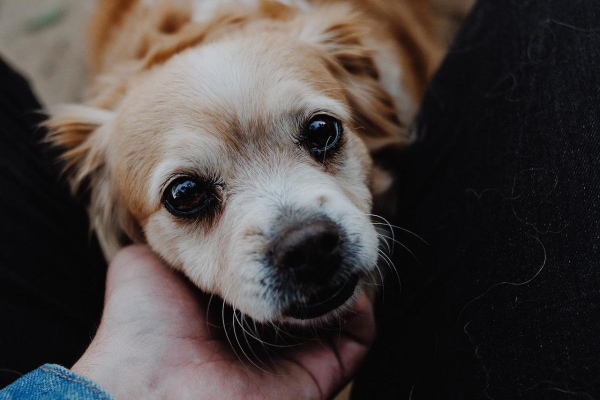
189	196
322	135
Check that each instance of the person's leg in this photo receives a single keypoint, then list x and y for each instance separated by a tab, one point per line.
51	269
504	185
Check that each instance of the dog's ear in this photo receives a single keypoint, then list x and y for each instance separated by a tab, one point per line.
82	134
339	33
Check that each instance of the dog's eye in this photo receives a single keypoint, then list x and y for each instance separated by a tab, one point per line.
322	135
187	196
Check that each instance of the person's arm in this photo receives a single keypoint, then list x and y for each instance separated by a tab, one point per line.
53	382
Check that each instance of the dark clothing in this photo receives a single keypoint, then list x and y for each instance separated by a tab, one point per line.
51	270
503	184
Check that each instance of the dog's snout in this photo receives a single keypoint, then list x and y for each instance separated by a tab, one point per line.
310	251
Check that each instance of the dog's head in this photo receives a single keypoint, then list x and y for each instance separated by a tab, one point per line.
245	164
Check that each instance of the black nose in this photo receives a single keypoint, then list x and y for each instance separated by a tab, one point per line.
310	251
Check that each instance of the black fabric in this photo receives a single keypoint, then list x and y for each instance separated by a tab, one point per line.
504	185
51	270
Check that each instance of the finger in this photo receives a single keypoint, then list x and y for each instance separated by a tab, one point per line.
360	322
141	288
134	264
332	362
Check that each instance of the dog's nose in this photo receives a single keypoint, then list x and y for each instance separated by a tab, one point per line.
310	251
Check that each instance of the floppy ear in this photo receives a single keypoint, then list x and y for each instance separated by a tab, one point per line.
83	133
339	31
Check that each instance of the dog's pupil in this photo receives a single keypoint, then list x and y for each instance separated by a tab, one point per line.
187	195
323	133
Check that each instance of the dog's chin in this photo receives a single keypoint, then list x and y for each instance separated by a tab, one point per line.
320	303
313	308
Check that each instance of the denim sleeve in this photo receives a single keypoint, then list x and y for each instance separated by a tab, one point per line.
53	382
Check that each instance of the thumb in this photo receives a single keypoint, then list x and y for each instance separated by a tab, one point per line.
135	266
141	287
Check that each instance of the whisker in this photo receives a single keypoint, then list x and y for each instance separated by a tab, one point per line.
241	347
265	349
255	336
225	328
405	248
380	277
325	152
382	237
256	357
386	223
372	281
390	265
263	342
208	323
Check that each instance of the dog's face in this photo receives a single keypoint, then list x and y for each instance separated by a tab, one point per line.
240	164
249	177
244	162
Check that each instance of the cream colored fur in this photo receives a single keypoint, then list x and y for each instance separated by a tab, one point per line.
220	90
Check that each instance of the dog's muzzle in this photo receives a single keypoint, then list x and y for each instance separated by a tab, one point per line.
309	260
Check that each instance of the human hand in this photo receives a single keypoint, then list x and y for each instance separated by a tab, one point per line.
154	342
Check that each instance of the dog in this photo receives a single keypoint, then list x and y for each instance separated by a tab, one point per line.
239	140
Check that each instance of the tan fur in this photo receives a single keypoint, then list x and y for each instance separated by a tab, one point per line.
161	103
127	36
411	24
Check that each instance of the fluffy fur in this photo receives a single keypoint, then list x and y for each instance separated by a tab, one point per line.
220	89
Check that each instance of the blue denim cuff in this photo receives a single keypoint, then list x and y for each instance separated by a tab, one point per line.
53	382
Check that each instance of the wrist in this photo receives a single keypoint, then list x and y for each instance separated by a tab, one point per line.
123	377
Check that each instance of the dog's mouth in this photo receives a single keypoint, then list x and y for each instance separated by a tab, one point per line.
323	300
